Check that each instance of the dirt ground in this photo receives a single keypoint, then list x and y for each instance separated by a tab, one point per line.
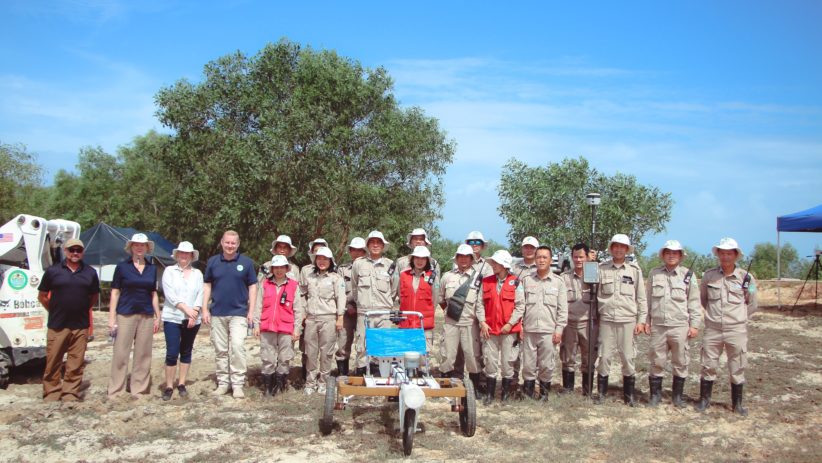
783	395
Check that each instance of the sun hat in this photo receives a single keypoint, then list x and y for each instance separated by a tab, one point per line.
279	261
421	251
378	235
316	241
464	250
673	245
503	258
357	243
139	238
325	251
185	246
728	244
475	235
530	241
287	240
620	238
415	232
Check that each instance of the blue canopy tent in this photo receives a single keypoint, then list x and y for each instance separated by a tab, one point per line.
809	220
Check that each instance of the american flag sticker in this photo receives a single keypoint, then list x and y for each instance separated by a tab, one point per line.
6	237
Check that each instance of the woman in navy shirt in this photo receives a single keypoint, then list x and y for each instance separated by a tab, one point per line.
134	317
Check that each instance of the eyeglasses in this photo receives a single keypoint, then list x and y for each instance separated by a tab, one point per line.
75	250
474	242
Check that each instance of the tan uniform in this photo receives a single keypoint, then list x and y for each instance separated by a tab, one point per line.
520	270
727	309
463	334
673	308
265	270
546	313
325	302
483	266
373	287
346	335
622	305
277	349
575	335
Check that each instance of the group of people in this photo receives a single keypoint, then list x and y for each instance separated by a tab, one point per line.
503	316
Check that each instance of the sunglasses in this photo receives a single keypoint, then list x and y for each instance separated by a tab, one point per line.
75	250
474	242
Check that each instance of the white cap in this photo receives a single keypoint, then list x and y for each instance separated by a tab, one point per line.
316	241
421	251
530	240
325	251
279	261
139	238
377	234
475	235
464	250
503	258
284	239
357	243
727	243
185	246
619	238
672	245
415	232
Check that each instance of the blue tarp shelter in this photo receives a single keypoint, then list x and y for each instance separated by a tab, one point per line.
809	220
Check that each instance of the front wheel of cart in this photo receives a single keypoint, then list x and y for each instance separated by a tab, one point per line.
408	431
468	410
327	421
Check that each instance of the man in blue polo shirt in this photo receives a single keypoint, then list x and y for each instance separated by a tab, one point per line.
229	289
68	290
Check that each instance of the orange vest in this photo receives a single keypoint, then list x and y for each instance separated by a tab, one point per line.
499	306
420	301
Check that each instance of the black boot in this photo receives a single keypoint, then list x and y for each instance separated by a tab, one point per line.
491	386
705	388
655	396
586	378
374	368
736	399
528	388
445	374
506	389
268	384
628	383
567	382
676	392
276	384
602	388
544	390
359	371
342	367
478	391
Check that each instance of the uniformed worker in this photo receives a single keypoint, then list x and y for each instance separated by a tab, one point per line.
575	335
546	314
373	287
278	319
503	303
345	336
281	246
417	237
313	246
622	314
478	244
324	312
521	268
460	332
674	317
419	292
728	306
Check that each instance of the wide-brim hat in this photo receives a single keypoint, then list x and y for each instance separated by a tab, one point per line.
378	235
464	250
620	238
185	246
417	232
325	251
287	240
503	258
279	261
530	241
672	245
727	244
139	238
475	235
357	243
311	246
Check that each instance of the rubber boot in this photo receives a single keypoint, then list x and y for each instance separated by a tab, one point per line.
359	371
342	367
736	399
491	385
567	382
586	377
506	389
375	369
475	378
528	388
655	396
676	392
602	388
445	374
628	383
274	384
544	390
267	385
705	388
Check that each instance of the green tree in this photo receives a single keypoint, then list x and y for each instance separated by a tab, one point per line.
20	181
301	142
549	203
764	261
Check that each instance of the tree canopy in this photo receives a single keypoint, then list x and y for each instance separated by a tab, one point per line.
549	203
20	177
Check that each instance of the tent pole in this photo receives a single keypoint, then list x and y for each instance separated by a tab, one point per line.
778	273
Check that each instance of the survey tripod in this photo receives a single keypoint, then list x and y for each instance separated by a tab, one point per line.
815	271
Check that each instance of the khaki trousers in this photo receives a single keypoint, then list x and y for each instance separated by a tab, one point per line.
616	338
575	338
60	342
497	355
538	357
673	339
345	337
320	341
133	331
276	352
359	336
456	338
735	343
228	335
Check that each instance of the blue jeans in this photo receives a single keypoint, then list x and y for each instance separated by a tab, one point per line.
179	342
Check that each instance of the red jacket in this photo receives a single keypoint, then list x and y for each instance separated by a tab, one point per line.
277	317
420	301
499	307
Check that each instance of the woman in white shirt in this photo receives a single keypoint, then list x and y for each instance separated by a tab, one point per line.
183	291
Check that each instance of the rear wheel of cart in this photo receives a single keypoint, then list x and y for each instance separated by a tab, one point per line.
468	410
408	431
327	421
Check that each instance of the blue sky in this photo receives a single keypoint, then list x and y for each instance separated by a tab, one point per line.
719	103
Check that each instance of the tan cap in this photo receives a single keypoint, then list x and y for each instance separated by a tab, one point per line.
74	242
